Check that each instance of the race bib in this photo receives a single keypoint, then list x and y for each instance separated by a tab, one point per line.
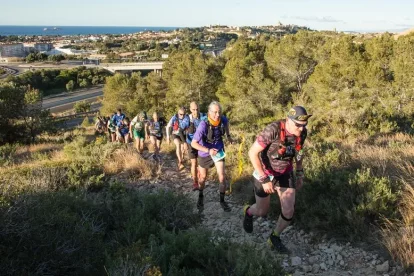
220	155
257	176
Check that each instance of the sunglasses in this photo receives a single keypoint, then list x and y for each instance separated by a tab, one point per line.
299	125
181	114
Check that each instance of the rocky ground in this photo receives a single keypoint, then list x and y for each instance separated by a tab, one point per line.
310	255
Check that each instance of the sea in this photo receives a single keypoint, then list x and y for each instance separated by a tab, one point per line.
75	30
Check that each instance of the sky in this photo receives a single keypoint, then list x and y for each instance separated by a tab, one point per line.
350	15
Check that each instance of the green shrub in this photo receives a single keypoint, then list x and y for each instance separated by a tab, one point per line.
54	234
6	153
86	122
339	199
197	252
75	233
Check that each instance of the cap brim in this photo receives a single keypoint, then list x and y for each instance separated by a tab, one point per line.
300	117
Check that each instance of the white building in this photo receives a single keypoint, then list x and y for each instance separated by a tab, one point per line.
12	50
43	47
70	52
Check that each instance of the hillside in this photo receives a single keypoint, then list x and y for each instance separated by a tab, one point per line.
407	32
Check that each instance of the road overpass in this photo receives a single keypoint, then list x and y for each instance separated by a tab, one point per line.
125	67
133	66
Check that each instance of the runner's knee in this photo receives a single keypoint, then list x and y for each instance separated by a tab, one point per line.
287	213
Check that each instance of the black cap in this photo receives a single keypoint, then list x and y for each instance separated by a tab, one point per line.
298	113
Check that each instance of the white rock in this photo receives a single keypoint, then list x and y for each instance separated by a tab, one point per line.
265	224
342	263
322	247
339	257
297	273
336	248
330	262
323	266
307	268
295	261
313	259
383	267
315	268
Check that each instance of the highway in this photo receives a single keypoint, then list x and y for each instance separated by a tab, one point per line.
65	101
10	70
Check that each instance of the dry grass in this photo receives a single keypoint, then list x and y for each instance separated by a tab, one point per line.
398	236
35	156
129	161
36	151
385	154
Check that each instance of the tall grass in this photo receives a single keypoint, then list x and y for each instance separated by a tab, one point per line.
398	235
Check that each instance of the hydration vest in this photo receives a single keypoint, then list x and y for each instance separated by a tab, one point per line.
176	124
210	130
192	128
156	128
285	151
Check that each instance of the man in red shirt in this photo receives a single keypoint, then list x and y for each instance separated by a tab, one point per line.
278	145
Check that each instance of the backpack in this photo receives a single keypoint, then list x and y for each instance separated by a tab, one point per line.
156	128
192	128
210	130
281	153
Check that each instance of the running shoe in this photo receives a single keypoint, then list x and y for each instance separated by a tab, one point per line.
248	220
225	206
276	244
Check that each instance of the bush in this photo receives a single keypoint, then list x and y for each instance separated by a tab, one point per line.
397	235
67	233
197	252
70	85
82	106
6	153
339	199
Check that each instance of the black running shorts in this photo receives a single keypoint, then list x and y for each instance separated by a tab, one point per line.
192	152
207	162
284	181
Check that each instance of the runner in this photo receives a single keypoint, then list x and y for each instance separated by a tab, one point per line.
153	129
208	140
111	129
123	131
278	145
118	117
179	123
100	125
137	128
195	119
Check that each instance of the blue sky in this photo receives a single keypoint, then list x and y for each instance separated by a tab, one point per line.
316	14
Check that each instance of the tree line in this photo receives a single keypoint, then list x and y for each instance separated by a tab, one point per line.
350	83
48	81
21	116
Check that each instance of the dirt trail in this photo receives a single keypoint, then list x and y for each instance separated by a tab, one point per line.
307	256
